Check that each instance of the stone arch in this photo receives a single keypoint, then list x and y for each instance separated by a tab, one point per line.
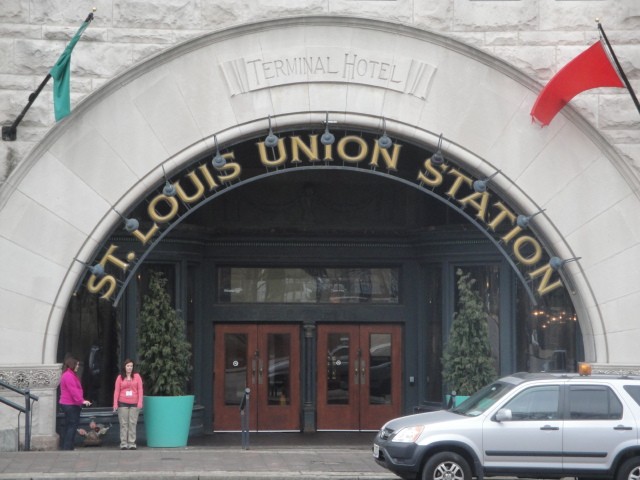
111	150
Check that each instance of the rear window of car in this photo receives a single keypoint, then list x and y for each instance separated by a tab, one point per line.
634	391
593	402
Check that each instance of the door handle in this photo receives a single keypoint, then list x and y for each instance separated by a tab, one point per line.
622	427
356	376
253	371
549	427
363	377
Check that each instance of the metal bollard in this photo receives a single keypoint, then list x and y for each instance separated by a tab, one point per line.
244	418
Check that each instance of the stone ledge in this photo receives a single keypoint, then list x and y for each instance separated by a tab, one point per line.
615	368
45	442
8	440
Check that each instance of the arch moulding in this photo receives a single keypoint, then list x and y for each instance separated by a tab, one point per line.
60	204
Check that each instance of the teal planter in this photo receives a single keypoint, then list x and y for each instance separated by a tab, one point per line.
167	420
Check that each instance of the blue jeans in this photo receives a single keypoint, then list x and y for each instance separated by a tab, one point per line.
71	422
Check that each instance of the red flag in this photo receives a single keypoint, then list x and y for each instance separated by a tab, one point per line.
591	69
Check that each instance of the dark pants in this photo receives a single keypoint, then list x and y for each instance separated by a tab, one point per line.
71	422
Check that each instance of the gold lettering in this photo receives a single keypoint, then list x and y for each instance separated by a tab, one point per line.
195	181
232	167
545	287
110	258
328	153
94	287
391	162
157	216
435	173
537	250
504	214
109	280
511	235
264	159
144	238
211	183
362	153
461	178
481	206
311	152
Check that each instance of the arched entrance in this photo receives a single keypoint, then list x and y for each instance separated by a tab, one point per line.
327	279
117	145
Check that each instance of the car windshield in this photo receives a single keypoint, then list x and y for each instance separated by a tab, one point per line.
477	403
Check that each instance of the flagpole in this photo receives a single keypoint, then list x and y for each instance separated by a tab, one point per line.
10	132
619	68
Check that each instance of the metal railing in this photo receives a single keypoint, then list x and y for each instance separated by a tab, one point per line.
28	396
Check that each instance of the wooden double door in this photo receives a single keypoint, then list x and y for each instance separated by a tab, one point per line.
357	376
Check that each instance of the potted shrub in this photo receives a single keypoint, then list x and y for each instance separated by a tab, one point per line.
467	362
165	366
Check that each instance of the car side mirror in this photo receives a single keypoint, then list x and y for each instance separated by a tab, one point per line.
503	415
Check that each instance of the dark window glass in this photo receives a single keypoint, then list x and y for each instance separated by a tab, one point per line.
546	333
593	403
634	391
536	403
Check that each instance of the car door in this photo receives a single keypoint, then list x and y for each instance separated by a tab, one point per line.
596	425
531	440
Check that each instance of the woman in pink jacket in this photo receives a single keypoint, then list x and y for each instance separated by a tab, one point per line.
127	400
71	401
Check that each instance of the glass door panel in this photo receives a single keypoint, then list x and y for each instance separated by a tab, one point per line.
338	375
278	389
266	359
380	369
338	350
234	370
359	376
382	383
235	367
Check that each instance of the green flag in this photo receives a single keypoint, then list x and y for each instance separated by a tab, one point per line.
61	74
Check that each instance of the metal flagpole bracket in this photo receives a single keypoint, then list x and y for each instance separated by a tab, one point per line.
10	132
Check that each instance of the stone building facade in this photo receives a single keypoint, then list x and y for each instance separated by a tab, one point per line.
147	76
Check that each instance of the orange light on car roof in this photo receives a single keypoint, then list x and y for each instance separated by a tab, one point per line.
584	369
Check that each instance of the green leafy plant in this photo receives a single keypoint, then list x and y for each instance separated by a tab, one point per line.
467	362
165	353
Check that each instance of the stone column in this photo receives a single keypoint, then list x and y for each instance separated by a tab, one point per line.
42	381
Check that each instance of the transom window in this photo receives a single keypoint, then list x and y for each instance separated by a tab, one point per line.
307	285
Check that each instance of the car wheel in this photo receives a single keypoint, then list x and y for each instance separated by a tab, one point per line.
446	466
630	470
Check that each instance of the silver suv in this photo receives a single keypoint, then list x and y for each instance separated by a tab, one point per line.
536	425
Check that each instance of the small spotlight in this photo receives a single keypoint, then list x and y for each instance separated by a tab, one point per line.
557	263
437	158
480	186
327	137
168	190
271	140
218	161
130	224
523	220
384	141
97	270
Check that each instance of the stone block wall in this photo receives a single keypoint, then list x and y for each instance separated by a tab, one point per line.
537	36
